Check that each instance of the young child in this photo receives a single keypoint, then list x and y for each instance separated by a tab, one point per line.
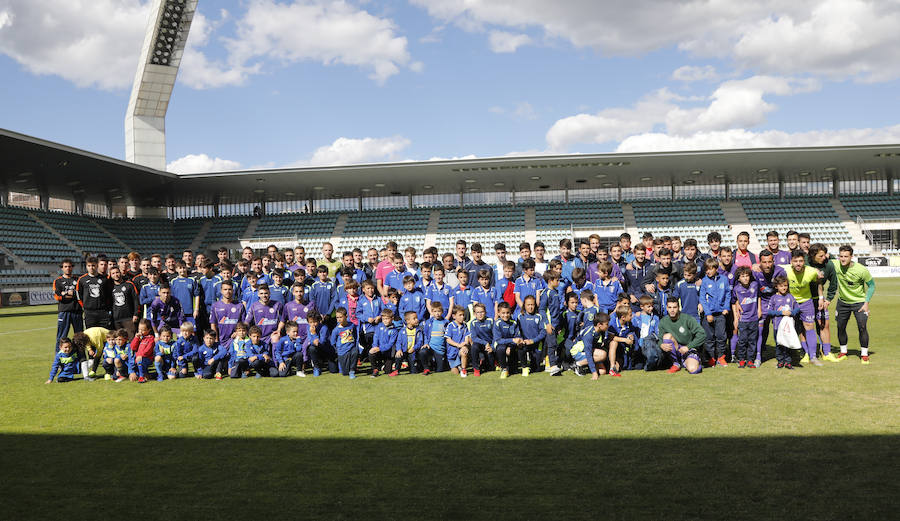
621	334
249	292
551	309
343	338
646	326
186	291
165	310
383	344
278	292
714	300
481	331
572	321
439	293
782	305
687	291
661	292
322	293
149	291
533	331
425	280
747	311
186	348
484	294
318	347
110	360
239	355
591	349
606	288
65	363
504	290
163	355
462	294
368	315
580	284
528	284
410	340
458	339
211	359
260	360
349	300
436	349
143	346
412	299
506	337
588	306
288	351
393	304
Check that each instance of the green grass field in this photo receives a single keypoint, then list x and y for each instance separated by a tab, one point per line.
815	443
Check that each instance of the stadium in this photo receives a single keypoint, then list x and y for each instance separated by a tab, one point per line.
814	443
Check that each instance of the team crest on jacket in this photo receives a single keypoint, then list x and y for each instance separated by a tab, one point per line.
681	329
233	310
120	300
95	291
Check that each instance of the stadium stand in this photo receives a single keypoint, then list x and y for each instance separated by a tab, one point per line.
557	221
872	206
486	224
83	233
225	232
23	278
694	218
185	231
146	235
813	215
310	229
29	240
373	229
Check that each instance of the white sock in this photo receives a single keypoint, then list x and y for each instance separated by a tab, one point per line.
84	369
844	350
864	351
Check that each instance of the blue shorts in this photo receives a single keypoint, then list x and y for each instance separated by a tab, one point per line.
807	311
579	356
453	356
821	315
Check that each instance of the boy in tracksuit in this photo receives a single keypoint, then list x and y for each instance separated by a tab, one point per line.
550	308
623	335
481	330
591	347
115	355
65	363
149	291
747	313
607	288
781	306
506	337
458	340
661	292
383	343
211	359
410	340
186	348
646	327
187	292
278	292
368	314
163	355
322	294
412	299
239	354
260	360
165	311
318	345
143	345
687	291
288	351
462	294
572	321
436	346
484	293
715	299
533	328
344	340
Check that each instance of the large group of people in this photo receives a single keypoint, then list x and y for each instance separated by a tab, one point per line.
593	310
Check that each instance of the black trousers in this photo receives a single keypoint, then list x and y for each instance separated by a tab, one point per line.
844	310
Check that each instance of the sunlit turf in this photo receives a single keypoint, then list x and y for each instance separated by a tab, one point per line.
739	443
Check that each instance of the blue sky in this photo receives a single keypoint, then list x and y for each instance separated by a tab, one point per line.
269	83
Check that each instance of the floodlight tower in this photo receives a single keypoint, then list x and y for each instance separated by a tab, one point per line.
145	121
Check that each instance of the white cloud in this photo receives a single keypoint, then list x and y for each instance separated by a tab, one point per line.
348	151
836	38
504	42
692	73
839	39
326	32
521	112
734	104
92	43
199	163
741	138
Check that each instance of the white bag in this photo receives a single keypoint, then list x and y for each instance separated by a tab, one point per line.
786	335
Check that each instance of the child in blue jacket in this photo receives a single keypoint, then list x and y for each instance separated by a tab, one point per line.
163	355
383	344
65	363
186	348
344	340
481	329
410	340
533	328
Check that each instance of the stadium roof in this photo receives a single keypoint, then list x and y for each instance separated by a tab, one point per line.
33	164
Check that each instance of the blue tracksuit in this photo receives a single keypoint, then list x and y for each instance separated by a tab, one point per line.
402	346
504	333
688	293
440	294
261	365
385	337
322	296
148	293
366	309
184	289
280	294
588	340
289	351
462	297
65	365
482	333
249	297
607	293
458	333
715	294
578	290
186	349
208	289
634	279
216	353
413	301
573	325
166	351
532	328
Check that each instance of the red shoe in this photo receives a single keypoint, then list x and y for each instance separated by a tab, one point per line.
358	362
476	372
674	369
711	362
374	372
842	356
742	364
394	373
613	372
426	372
751	365
721	361
142	380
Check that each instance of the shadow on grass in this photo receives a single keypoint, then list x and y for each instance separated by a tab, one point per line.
28	314
674	478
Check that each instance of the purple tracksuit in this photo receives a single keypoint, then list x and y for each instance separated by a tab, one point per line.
226	315
747	299
266	317
766	291
777	305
